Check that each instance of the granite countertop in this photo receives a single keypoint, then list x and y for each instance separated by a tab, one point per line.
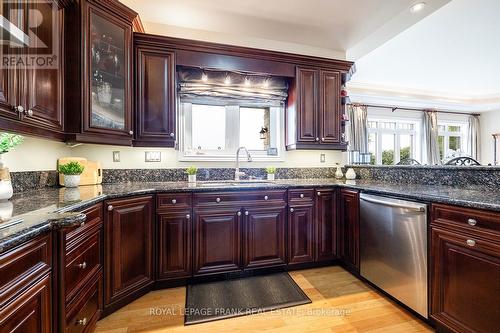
31	213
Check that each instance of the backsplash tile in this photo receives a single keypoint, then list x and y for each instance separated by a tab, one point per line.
33	180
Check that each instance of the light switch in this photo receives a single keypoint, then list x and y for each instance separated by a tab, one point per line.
153	156
116	156
322	158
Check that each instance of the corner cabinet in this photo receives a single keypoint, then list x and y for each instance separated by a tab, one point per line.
128	261
314	112
155	95
99	76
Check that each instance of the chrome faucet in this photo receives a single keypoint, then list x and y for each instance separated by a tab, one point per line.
237	173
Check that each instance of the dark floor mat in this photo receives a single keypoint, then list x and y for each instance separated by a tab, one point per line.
239	297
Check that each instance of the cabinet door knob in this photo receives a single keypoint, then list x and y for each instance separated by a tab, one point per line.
130	132
471	242
217	200
172	135
188	216
82	224
174	201
302	195
291	210
266	197
246	213
322	139
472	221
239	213
82	322
83	265
20	109
110	207
29	113
317	139
319	193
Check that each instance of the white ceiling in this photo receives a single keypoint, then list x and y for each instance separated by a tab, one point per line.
320	27
452	55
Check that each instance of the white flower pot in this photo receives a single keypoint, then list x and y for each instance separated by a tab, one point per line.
270	176
192	178
6	190
71	180
350	174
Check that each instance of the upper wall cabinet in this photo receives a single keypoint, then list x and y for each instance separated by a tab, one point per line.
155	95
98	70
314	110
31	75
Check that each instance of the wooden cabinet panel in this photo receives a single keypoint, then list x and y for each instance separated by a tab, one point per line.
307	107
465	279
155	93
329	109
300	234
174	245
30	311
128	247
86	309
217	237
264	236
326	225
349	221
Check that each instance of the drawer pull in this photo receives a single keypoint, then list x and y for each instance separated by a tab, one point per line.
319	193
239	213
174	201
291	210
472	221
266	197
246	213
217	200
83	265
110	207
302	195
81	322
471	242
188	216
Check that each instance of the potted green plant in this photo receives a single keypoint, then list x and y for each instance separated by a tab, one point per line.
271	171
191	171
71	172
7	143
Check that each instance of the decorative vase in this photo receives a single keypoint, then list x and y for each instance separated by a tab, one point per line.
350	174
6	190
338	173
71	180
192	178
270	176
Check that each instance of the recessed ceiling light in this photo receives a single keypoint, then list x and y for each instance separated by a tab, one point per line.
417	7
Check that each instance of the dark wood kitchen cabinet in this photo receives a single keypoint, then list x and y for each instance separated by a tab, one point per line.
128	260
26	288
300	226
314	110
155	95
326	225
465	269
349	228
217	240
264	236
174	235
98	88
31	94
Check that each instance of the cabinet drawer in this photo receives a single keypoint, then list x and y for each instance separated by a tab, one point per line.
23	264
85	311
173	201
480	222
81	263
300	196
239	197
93	220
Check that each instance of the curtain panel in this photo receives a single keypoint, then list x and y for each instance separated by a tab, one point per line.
430	145
358	127
474	141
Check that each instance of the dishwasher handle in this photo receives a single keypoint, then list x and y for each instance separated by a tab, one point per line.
393	204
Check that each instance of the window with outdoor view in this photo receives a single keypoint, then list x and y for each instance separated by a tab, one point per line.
451	140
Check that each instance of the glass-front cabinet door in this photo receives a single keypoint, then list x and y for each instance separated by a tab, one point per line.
109	48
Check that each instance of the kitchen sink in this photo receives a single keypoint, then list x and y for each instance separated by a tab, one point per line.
234	183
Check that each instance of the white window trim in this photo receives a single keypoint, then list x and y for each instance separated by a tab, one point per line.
232	131
447	134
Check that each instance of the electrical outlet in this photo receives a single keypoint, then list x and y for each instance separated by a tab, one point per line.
116	156
152	156
322	158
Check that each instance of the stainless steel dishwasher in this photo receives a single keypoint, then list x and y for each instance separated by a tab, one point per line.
393	248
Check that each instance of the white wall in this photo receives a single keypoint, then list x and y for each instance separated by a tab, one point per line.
490	124
38	154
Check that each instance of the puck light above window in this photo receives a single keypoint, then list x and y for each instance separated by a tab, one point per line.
417	7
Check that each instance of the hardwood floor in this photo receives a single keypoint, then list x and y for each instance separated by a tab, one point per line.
340	303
